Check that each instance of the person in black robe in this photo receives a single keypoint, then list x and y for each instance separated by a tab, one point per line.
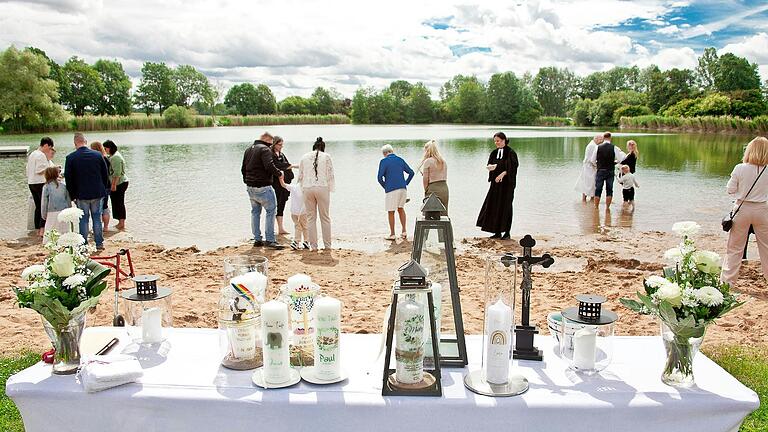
496	214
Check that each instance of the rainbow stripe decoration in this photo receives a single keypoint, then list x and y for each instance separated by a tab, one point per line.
244	292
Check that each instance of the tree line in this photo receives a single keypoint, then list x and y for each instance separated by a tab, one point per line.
35	90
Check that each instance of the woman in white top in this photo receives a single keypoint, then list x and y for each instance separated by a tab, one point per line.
317	182
754	208
586	182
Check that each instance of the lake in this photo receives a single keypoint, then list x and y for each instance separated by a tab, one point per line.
186	187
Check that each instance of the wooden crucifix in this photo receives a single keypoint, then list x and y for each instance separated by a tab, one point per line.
524	332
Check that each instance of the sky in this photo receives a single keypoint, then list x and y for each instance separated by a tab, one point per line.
295	46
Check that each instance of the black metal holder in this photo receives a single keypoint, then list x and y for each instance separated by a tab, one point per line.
432	220
524	333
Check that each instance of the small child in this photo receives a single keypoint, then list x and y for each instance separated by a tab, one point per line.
628	183
55	199
299	217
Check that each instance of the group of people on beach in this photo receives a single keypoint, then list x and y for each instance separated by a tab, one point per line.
268	176
599	170
92	175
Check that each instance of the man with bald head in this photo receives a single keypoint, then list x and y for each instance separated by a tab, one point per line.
87	181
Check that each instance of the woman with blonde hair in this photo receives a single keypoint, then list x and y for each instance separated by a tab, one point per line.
749	186
435	173
632	155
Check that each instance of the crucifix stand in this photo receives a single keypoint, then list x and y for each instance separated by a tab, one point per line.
524	332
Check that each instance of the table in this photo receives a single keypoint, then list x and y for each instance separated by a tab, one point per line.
185	389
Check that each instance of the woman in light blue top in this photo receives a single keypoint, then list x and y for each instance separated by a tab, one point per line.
55	199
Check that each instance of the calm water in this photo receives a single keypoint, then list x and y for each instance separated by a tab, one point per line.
186	187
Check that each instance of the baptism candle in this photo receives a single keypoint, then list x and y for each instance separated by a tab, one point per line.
498	326
327	313
274	316
409	340
302	292
151	325
584	345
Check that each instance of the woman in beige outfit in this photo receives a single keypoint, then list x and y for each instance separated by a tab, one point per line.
317	182
435	173
754	208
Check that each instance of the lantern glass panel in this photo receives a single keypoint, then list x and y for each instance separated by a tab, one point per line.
136	311
587	349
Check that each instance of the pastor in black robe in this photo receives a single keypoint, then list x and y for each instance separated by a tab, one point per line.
496	213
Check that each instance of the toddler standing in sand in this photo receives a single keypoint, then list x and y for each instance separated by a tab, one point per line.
628	183
299	217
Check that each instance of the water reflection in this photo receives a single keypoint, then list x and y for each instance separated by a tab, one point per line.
186	186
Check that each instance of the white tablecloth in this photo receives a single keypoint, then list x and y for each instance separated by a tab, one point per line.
187	390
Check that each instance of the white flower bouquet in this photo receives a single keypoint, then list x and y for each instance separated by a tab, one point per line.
686	299
67	284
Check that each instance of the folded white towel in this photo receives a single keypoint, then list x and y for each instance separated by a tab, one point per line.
100	372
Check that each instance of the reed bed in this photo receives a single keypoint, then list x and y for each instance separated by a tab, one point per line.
553	121
729	124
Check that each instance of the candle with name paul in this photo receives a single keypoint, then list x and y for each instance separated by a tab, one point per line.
327	312
275	339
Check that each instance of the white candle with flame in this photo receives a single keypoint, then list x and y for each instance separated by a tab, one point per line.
498	328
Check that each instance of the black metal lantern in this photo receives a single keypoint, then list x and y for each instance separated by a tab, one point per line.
586	335
410	377
148	309
441	261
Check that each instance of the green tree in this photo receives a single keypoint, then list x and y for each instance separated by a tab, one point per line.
419	105
84	86
157	88
116	98
179	117
360	106
582	112
602	112
510	101
593	85
265	100
190	85
554	89
28	94
382	108
400	90
295	105
736	73
714	104
55	70
707	69
322	101
470	101
210	98
242	99
621	78
669	87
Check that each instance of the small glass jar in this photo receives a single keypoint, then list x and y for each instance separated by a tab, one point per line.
591	343
239	311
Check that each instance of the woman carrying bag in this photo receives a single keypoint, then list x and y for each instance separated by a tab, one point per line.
749	186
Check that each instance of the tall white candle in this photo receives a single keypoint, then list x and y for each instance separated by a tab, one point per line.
437	310
274	315
254	282
151	325
409	340
327	313
498	328
584	345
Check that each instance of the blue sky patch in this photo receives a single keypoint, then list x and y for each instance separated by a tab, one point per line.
439	23
460	50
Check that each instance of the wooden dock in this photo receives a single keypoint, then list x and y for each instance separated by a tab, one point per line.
13	151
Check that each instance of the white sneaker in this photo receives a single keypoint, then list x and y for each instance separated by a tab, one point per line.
294	245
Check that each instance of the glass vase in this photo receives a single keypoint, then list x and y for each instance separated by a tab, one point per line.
66	341
680	350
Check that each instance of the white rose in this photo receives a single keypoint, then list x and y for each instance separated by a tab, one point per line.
70	215
655	281
32	271
63	264
707	261
686	228
70	239
709	296
671	292
674	255
74	280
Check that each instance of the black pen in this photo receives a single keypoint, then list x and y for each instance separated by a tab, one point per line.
111	344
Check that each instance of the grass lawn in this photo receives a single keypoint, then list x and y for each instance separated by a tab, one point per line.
748	364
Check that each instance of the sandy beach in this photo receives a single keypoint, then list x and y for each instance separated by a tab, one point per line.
612	263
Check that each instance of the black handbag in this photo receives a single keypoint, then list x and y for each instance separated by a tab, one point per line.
727	222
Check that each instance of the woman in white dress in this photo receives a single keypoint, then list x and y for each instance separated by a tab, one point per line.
586	182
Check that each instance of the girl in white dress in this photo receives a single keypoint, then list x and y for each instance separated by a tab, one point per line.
586	182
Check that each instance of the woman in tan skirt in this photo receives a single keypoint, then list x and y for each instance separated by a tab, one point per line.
435	172
753	211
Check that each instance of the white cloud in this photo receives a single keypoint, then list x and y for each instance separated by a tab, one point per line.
754	48
669	30
711	27
668	58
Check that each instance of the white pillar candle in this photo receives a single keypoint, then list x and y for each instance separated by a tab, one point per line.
437	299
327	313
409	340
254	282
299	280
151	325
498	328
584	345
274	316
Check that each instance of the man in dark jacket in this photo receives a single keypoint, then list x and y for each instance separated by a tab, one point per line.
87	181
259	171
